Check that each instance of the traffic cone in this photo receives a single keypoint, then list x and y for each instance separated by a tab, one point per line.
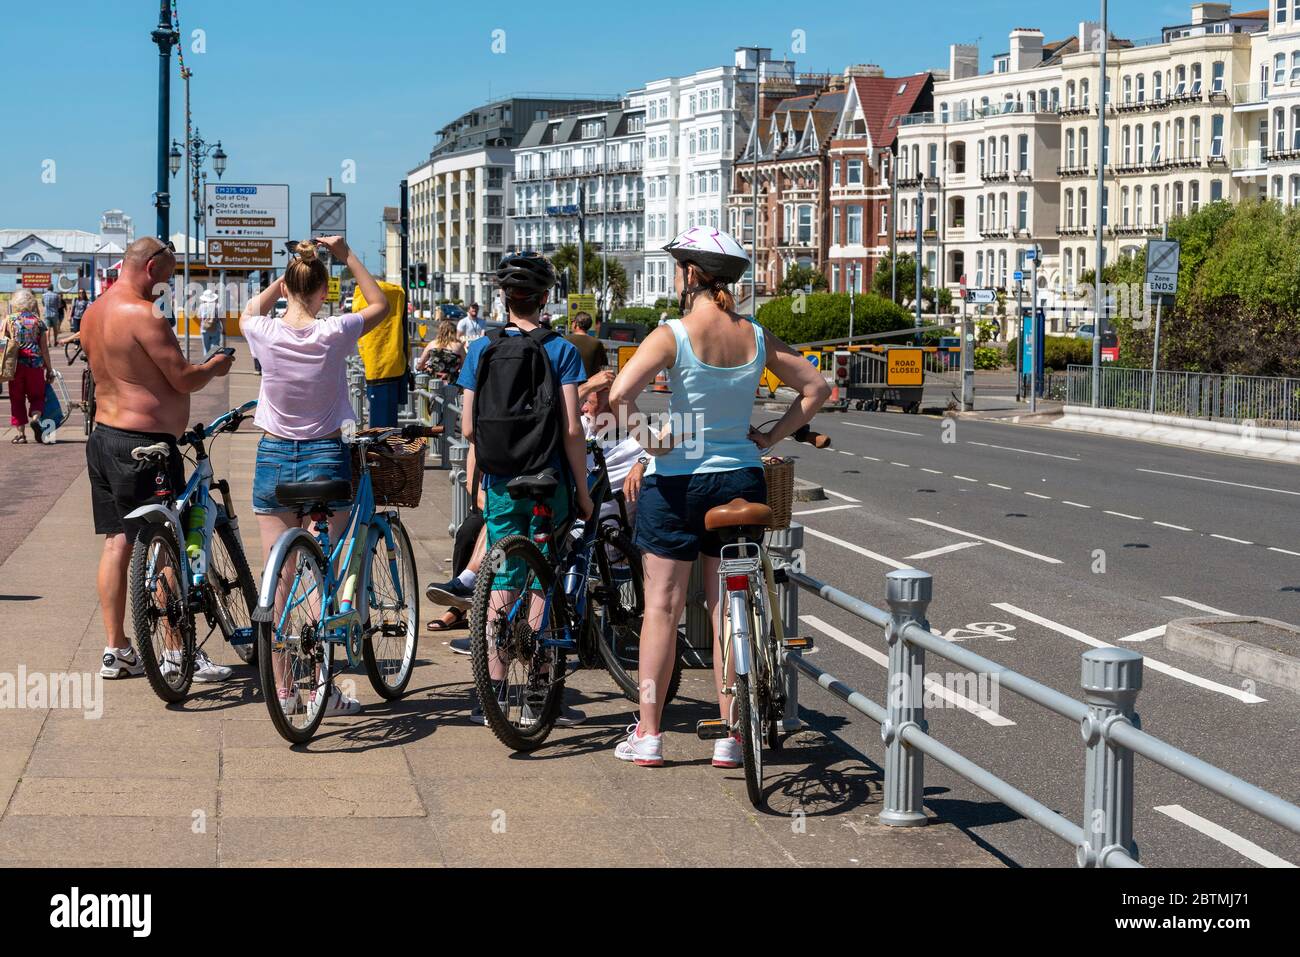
661	384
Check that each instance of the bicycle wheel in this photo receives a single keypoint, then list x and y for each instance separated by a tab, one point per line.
522	706
751	717
164	629
232	588
389	648
619	603
295	664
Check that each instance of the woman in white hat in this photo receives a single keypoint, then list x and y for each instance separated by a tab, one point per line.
211	322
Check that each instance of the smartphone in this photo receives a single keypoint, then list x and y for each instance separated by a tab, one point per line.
219	351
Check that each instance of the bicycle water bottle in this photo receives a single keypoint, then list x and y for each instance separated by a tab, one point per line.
573	575
195	520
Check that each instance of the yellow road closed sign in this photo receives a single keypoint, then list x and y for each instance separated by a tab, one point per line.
905	367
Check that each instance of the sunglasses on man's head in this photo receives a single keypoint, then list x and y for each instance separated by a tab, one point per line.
169	246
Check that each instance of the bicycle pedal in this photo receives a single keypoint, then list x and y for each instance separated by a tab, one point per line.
242	636
712	730
798	644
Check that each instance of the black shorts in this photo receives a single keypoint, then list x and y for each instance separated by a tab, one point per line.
119	484
670	511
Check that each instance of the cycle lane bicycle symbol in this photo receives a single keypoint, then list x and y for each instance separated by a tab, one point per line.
997	630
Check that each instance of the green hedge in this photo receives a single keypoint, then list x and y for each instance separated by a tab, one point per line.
1061	351
988	358
826	316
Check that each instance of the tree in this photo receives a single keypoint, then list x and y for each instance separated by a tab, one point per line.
822	317
882	280
799	276
565	260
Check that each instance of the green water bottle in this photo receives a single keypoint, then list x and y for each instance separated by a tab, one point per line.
194	522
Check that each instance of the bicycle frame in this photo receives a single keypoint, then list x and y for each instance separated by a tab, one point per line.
747	559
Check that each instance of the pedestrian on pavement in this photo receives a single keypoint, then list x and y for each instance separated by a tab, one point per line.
714	359
442	357
143	385
385	353
79	307
211	322
27	388
53	304
548	436
591	349
304	403
471	326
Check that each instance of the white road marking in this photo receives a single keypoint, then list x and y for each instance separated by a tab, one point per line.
941	551
871	458
933	686
1239	541
866	553
1075	504
1007	448
991	541
1208	609
819	511
1147	635
877	428
1246	848
842	452
932	471
1037	495
1197	478
1179	528
1136	518
963	478
843	497
1005	488
901	465
1283	551
1147	662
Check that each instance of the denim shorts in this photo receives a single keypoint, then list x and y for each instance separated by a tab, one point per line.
670	512
280	461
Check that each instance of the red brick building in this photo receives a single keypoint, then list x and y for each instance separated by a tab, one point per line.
860	159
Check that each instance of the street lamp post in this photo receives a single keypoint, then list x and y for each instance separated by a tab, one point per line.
1099	321
165	37
197	152
920	209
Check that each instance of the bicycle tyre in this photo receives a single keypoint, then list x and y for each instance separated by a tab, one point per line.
243	587
614	662
392	689
266	657
517	548
144	616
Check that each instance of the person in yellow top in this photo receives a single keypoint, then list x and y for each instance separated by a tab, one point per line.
384	351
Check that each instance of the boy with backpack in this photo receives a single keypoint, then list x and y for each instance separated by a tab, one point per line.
520	414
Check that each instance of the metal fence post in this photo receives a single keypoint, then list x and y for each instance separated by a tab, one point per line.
908	592
1111	680
786	545
422	410
460	503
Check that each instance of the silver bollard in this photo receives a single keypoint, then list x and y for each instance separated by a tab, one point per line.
908	592
786	547
1112	678
422	411
460	503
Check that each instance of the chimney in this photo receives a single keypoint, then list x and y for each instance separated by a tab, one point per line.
1026	48
1089	36
963	60
864	69
1210	12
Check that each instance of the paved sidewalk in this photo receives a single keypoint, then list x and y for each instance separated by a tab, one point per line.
209	782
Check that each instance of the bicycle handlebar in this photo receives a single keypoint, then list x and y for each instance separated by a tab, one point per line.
229	422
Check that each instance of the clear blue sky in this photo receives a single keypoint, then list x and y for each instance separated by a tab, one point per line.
293	89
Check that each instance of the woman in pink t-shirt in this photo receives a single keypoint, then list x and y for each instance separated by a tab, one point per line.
304	403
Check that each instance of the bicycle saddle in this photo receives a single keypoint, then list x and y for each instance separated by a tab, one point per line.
738	514
538	487
320	492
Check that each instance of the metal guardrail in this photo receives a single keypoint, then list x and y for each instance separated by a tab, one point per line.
1110	681
1268	402
356	372
434	403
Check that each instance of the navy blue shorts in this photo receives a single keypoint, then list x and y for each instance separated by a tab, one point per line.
670	512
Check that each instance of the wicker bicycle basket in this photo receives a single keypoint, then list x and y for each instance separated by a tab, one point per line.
396	469
779	473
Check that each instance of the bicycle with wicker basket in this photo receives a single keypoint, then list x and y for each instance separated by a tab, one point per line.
363	599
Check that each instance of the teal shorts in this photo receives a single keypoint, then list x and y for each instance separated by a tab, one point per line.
505	516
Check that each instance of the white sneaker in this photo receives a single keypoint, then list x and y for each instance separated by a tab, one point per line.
207	671
170	664
644	750
121	663
288	700
727	753
338	704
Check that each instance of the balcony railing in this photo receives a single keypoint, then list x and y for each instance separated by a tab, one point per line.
1247	94
1065	172
1249	158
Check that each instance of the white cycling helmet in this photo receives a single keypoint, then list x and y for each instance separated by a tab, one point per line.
713	251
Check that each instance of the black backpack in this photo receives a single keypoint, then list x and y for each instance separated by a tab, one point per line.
517	405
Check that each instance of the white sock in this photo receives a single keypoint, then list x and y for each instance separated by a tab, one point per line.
467	578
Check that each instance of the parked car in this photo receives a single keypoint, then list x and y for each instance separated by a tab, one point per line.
280	308
1084	332
453	312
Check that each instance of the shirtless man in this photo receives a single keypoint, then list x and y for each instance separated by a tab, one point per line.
142	390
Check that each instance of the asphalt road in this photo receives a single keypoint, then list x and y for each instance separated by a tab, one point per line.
1042	543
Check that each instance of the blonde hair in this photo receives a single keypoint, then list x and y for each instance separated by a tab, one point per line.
715	288
445	336
24	300
306	275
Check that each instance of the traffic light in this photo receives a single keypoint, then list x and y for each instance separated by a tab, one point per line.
564	284
422	276
410	276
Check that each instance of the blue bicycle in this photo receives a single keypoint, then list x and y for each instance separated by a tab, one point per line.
363	599
188	560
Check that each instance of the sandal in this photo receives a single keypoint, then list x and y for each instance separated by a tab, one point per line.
19	439
459	621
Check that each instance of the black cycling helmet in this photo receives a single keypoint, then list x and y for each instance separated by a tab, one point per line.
526	272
